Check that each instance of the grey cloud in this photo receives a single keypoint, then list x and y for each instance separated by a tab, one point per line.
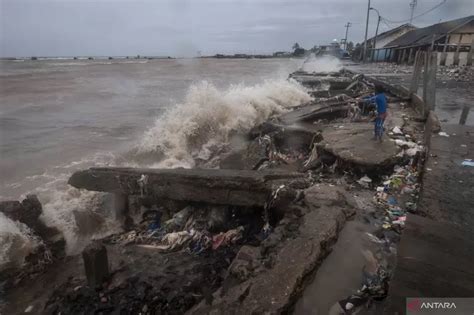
177	27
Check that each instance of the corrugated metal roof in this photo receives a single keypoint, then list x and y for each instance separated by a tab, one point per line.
392	31
424	36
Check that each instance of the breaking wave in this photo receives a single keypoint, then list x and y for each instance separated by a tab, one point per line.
208	116
322	64
195	129
16	242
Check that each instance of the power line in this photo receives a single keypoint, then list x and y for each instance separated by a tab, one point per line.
419	15
384	22
412	9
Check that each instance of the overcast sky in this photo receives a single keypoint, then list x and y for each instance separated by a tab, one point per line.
183	27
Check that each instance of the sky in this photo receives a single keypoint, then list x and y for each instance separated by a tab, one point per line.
182	28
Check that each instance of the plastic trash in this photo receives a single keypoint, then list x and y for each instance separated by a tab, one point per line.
396	130
403	143
229	237
468	162
443	134
396	182
29	309
374	238
392	201
365	181
178	220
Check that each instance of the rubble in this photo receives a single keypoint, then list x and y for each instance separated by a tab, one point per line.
457	73
244	238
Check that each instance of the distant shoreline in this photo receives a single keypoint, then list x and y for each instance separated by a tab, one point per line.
138	57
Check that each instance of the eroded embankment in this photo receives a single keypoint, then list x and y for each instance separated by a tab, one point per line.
245	238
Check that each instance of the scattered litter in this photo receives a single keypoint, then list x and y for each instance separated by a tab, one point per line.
179	220
29	309
468	162
396	130
392	201
443	134
229	237
176	240
374	238
463	145
414	150
365	181
142	182
402	143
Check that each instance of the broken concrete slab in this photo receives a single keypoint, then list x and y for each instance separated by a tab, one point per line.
249	158
298	136
353	146
213	186
315	111
332	93
314	81
273	290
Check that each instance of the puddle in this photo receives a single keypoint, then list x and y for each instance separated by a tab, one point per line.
330	284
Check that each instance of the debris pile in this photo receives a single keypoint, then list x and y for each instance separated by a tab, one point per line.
457	73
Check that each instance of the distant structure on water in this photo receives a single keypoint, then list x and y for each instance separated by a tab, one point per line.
333	49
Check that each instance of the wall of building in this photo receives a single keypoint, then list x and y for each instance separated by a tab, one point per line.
450	58
467	32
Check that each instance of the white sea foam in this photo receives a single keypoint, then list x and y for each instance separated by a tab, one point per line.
322	64
207	117
60	201
16	242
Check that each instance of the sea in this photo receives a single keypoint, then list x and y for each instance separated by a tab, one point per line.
58	116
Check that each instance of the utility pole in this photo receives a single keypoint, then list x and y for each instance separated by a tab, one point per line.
376	33
375	38
366	31
413	4
347	30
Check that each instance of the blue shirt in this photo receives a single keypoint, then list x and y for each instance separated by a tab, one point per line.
381	102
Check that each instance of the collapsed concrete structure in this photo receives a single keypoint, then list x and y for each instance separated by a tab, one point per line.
244	238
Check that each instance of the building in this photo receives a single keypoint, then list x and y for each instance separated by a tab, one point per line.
384	38
453	40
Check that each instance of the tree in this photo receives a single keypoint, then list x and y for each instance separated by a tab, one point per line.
296	46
